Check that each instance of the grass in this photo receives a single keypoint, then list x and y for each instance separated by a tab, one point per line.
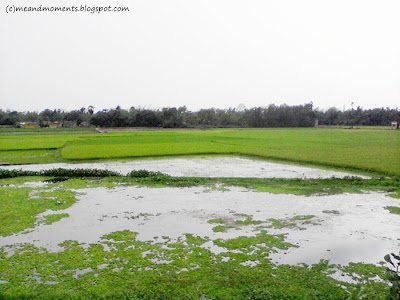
50	219
216	221
28	156
248	221
231	223
362	149
24	131
296	221
20	206
250	242
18	180
279	224
220	228
35	142
393	209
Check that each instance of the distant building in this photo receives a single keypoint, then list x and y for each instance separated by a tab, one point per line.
29	125
84	124
395	125
70	124
74	124
50	124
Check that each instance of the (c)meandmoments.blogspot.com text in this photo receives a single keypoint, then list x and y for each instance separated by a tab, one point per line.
14	9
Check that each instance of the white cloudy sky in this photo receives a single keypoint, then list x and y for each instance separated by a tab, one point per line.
203	53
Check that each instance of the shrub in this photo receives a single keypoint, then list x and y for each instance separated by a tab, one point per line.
79	173
144	174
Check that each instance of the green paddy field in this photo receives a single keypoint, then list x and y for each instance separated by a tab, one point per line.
362	149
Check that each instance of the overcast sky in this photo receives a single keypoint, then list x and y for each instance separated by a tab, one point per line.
203	53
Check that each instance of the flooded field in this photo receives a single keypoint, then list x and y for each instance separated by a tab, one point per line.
215	228
340	228
201	167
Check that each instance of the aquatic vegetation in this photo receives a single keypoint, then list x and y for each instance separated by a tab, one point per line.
246	242
171	270
50	219
286	186
296	221
216	221
393	209
303	217
220	228
20	206
364	272
233	222
80	183
279	224
248	221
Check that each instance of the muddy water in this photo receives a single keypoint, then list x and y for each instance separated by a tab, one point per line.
346	228
202	167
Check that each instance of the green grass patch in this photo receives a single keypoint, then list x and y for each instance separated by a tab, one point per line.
233	222
50	219
21	180
220	228
393	209
246	242
303	217
396	194
364	271
279	224
19	207
39	131
28	156
79	183
32	142
216	221
124	235
248	221
296	221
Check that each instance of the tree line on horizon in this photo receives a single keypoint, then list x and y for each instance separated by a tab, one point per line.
172	117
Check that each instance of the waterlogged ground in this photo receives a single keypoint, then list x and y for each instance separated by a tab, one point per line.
201	167
116	238
340	228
